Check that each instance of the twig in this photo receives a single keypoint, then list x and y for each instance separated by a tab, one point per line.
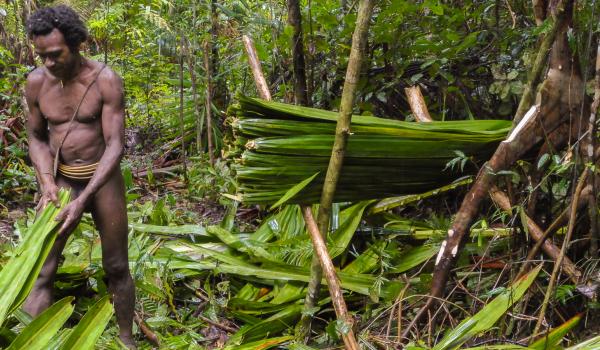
217	324
563	250
148	333
536	233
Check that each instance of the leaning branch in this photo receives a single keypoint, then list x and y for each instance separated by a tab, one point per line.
259	79
337	297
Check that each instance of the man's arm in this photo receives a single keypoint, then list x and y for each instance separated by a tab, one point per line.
113	129
37	137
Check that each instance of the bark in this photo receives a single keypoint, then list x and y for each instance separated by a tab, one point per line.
335	290
417	104
560	96
259	78
209	129
342	132
589	157
539	64
539	11
219	93
181	122
191	62
295	21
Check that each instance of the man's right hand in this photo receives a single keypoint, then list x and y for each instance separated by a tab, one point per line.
49	195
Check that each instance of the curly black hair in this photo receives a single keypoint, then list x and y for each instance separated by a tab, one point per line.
61	17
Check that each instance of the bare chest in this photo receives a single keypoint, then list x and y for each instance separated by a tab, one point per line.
58	104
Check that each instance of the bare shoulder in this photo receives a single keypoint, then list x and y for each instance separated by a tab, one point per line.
111	86
109	77
35	80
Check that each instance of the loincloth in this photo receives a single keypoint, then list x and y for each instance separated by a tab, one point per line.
81	172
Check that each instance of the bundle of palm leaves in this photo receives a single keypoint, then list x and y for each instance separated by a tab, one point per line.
286	144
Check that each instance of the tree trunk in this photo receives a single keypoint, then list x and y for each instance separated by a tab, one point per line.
219	89
181	121
295	21
342	132
209	129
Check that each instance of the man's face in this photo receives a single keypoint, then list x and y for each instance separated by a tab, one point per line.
54	53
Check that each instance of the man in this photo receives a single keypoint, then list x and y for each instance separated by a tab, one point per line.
76	131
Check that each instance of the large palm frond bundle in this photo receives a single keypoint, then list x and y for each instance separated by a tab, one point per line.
285	144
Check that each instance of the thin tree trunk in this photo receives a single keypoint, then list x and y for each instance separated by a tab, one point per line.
191	61
539	65
209	129
342	132
181	121
295	21
589	157
192	67
219	89
539	11
337	297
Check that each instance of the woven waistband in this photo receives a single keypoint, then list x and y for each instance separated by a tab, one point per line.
80	172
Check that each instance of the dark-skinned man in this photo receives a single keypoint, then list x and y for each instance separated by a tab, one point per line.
76	130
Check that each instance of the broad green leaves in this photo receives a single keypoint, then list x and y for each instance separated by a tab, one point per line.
20	272
489	315
91	326
38	334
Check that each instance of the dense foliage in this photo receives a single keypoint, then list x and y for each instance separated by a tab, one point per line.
211	272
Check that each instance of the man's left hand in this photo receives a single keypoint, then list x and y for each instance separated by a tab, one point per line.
70	216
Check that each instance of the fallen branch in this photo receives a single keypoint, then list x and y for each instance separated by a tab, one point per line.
158	171
217	324
501	199
337	297
148	333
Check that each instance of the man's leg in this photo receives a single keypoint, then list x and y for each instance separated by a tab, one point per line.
40	297
109	211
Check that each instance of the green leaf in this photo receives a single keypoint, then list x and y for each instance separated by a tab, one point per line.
590	344
91	326
293	191
553	339
260	344
543	160
40	331
20	272
488	315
